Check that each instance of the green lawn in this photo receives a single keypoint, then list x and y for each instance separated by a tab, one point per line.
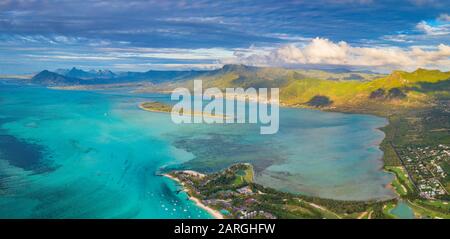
401	183
419	206
244	176
387	209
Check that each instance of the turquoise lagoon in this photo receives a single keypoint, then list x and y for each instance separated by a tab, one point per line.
81	154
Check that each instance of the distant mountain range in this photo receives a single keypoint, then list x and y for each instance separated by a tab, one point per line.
46	77
92	74
75	76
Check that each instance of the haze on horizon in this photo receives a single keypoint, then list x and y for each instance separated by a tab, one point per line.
141	35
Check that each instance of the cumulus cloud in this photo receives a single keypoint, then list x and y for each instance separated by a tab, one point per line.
437	27
323	52
435	30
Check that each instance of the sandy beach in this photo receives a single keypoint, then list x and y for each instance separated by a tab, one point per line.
216	214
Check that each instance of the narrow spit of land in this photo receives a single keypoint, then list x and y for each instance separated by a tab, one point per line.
166	108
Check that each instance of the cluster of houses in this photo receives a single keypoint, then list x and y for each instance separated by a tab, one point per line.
245	190
430	188
254	214
242	211
424	166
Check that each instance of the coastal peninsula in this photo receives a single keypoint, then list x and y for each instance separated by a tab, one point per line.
232	193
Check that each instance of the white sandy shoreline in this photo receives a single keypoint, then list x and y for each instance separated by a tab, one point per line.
216	214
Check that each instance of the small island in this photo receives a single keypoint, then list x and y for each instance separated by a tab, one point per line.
166	108
156	107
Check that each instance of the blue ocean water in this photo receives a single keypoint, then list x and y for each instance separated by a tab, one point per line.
98	163
79	154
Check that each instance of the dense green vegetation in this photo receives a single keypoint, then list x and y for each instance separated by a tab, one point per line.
401	182
427	126
383	95
319	101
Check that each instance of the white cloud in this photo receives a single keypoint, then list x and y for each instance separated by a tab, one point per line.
436	29
169	66
83	57
167	53
325	52
444	17
288	37
401	38
441	29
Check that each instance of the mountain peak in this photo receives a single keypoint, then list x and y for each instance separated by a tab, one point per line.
45	73
77	73
46	77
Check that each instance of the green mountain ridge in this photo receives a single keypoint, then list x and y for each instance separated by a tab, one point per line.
376	93
397	90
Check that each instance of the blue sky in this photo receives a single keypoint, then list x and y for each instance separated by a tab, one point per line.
141	35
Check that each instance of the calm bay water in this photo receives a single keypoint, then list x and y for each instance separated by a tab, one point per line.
69	154
403	211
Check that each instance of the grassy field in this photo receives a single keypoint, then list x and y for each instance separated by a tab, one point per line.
423	209
402	184
244	176
398	90
388	207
